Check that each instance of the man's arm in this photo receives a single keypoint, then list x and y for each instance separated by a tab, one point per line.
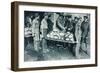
60	25
33	28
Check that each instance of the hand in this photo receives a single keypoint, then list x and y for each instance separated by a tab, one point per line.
64	30
33	34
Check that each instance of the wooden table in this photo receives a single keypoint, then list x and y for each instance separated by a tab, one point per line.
75	50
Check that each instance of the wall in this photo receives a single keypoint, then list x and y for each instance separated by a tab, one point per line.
5	31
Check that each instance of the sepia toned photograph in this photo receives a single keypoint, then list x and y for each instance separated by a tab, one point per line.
56	36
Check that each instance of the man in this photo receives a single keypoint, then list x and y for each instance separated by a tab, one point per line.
35	31
27	34
27	31
70	26
44	28
74	23
44	25
68	23
60	23
85	32
78	37
28	19
50	22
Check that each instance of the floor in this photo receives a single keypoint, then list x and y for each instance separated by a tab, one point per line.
53	53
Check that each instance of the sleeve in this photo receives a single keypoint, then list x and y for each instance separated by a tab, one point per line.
33	28
60	25
41	24
82	26
41	29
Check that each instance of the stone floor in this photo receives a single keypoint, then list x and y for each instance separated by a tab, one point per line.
53	53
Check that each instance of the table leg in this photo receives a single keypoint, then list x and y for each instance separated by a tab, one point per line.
44	45
77	50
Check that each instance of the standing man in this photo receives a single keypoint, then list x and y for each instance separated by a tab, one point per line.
27	30
74	23
27	34
60	23
35	31
44	28
78	37
85	32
